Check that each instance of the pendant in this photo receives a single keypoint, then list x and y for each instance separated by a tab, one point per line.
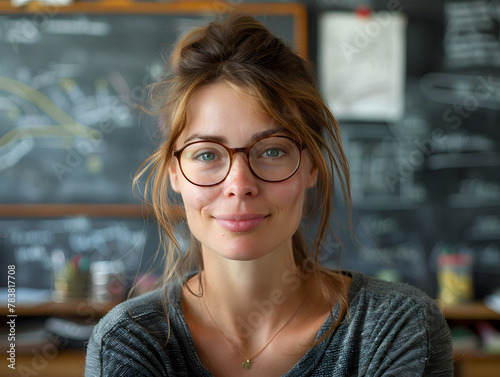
247	364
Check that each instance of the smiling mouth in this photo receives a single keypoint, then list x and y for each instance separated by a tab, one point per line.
240	224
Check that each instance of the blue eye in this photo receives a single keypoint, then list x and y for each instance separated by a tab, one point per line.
272	153
206	157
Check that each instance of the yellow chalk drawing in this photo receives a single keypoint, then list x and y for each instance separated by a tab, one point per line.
67	126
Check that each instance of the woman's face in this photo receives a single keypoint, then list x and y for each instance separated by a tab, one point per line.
243	217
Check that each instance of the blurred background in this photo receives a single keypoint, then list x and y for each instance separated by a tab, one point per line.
415	86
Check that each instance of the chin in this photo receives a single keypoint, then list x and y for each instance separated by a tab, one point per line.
244	254
241	251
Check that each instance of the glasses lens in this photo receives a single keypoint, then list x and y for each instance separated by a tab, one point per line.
205	163
275	158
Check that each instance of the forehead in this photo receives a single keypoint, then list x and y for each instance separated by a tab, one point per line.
221	110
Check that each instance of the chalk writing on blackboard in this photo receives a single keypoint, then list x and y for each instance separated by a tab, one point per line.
31	244
69	130
471	38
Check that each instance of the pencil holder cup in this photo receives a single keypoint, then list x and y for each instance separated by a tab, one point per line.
72	277
108	281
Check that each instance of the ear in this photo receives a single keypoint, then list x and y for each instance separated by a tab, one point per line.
173	174
312	176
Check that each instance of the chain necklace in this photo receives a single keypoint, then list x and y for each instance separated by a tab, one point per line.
247	364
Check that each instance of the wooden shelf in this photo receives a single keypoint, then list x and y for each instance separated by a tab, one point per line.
476	364
61	210
81	308
62	364
474	354
472	311
472	362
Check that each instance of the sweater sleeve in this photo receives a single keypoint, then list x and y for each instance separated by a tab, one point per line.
415	342
440	349
119	348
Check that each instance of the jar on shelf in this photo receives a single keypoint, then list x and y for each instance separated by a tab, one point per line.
454	275
72	276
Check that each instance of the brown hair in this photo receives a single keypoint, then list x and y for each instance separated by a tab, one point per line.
243	53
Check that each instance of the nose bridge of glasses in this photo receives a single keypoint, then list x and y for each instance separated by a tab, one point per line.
234	151
245	150
246	160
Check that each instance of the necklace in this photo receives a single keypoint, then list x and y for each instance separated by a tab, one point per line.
247	364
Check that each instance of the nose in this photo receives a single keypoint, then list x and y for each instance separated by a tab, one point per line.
240	182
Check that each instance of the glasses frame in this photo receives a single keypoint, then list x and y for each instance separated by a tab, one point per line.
232	151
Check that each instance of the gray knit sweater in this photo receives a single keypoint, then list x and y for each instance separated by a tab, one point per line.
393	330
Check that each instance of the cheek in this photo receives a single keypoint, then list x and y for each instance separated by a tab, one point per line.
194	206
290	196
195	201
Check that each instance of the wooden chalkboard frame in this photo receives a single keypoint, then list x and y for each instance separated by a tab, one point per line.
296	10
122	7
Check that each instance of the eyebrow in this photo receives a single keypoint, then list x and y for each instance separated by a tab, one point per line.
223	139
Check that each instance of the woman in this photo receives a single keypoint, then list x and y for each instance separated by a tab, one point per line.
251	149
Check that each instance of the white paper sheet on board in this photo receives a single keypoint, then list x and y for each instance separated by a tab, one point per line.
362	64
55	3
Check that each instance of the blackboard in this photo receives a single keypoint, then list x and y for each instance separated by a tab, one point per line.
431	180
69	81
421	184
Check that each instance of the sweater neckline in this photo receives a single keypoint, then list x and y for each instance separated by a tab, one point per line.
305	365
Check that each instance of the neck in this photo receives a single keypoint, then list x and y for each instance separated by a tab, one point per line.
248	298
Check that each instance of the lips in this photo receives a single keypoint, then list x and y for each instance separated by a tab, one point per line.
240	223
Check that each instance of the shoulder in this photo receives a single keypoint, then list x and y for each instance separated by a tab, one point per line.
142	310
131	339
365	288
393	317
393	303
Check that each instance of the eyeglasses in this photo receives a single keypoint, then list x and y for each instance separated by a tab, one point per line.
207	163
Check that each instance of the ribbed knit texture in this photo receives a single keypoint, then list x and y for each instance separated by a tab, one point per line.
392	330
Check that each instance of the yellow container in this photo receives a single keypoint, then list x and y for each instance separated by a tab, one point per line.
455	278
